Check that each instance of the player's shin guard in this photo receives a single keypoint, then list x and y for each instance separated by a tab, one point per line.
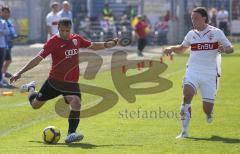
73	121
185	116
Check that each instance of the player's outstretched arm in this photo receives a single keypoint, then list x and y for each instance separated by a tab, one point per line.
103	45
34	62
178	49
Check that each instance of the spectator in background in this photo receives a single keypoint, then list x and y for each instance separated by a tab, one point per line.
147	21
131	13
85	27
52	20
66	10
6	13
3	32
107	12
187	21
141	33
222	17
213	17
167	16
161	29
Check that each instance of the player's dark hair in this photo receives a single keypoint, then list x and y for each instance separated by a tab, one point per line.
203	12
65	22
5	8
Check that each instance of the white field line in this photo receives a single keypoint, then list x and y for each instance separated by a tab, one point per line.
30	123
9	106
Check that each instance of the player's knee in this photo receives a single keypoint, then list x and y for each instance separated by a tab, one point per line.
76	103
188	96
36	105
188	93
208	107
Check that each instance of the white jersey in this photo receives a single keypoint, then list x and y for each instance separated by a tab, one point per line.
52	21
204	56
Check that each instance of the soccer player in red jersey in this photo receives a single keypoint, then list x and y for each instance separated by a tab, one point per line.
64	73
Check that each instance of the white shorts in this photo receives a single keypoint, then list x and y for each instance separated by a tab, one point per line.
206	83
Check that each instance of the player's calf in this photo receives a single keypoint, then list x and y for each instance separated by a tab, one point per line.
208	109
74	116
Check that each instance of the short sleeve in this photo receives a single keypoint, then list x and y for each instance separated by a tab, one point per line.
47	49
48	19
186	42
84	43
222	39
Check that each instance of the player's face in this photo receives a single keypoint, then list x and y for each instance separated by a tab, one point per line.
5	14
198	21
64	31
55	8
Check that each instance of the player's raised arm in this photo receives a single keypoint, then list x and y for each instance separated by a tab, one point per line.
31	64
178	49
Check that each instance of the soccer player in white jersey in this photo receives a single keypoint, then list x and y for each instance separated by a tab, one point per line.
203	67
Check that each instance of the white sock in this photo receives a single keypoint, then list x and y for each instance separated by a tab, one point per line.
185	118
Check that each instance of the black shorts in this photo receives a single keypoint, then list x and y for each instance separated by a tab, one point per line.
8	54
53	88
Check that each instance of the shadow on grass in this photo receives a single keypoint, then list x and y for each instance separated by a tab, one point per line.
81	145
217	138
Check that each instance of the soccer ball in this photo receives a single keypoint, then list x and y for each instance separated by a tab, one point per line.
51	135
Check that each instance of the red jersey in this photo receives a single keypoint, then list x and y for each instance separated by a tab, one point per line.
65	56
140	29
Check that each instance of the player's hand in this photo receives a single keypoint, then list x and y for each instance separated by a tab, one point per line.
15	77
111	43
167	51
221	49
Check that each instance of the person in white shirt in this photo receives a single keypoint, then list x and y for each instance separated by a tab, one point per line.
203	67
52	20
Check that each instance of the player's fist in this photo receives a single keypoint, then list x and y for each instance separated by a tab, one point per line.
15	77
221	48
167	51
111	43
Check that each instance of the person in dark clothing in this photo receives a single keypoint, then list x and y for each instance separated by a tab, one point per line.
141	32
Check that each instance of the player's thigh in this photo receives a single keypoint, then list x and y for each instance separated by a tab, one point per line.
208	88
47	92
73	97
74	101
190	85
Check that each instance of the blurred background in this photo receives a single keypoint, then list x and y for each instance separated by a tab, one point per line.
169	20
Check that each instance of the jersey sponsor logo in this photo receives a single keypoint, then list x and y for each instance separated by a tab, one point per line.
204	46
71	52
